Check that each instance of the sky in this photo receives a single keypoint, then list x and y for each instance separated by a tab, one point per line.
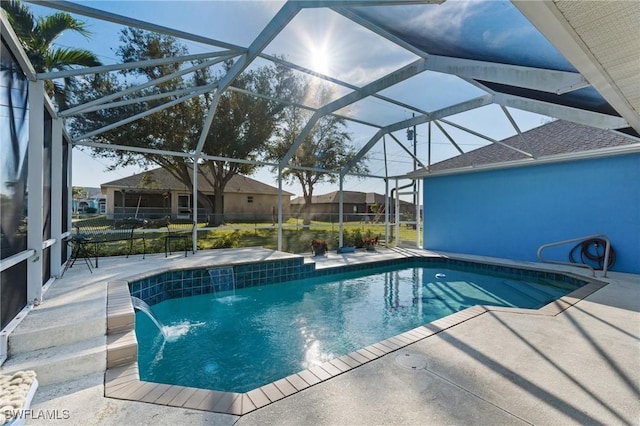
329	43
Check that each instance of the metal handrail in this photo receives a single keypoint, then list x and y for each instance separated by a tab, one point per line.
582	265
10	261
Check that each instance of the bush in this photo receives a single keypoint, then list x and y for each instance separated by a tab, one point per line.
228	240
355	237
352	238
294	240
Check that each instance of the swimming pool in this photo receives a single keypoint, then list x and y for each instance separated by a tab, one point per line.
237	341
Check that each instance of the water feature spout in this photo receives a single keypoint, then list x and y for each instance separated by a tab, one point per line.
222	279
143	307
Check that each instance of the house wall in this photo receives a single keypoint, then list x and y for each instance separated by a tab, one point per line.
327	212
263	207
110	201
509	213
236	206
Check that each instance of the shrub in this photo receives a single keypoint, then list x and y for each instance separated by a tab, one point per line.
352	238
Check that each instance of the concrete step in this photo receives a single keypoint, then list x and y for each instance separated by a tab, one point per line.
122	349
24	340
62	363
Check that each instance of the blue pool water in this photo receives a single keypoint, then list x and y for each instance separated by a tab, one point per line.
243	339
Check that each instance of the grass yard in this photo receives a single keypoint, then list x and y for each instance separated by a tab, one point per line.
295	237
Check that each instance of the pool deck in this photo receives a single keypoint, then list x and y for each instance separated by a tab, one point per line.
579	366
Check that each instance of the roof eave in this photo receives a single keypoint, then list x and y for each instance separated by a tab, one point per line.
559	158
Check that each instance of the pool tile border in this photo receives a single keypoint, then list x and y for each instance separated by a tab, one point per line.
160	285
122	378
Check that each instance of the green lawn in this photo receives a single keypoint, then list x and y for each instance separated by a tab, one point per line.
296	237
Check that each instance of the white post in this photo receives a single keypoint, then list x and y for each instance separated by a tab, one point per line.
397	214
35	189
387	207
69	205
56	196
194	237
279	208
417	198
341	212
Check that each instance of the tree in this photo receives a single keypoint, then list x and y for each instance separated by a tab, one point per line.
172	129
78	193
244	125
328	147
37	36
241	128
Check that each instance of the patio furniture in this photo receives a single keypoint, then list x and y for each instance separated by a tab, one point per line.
100	231
181	231
78	244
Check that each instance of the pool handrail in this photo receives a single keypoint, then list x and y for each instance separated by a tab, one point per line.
582	265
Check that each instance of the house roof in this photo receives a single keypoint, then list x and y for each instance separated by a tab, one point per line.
161	180
350	197
556	137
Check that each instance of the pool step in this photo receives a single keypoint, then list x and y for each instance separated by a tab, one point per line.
122	349
122	344
61	363
530	292
27	340
73	346
120	314
79	313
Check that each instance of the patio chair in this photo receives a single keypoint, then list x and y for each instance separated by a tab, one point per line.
181	231
79	243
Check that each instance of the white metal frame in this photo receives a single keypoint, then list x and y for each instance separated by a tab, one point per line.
35	188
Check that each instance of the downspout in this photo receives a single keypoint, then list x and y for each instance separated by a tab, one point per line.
396	202
397	188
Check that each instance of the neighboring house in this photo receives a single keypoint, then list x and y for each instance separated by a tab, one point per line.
356	206
156	194
93	202
511	210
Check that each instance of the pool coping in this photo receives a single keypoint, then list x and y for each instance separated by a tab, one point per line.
122	379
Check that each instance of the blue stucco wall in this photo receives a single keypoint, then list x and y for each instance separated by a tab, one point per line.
509	213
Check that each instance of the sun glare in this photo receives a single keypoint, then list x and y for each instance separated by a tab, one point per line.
320	60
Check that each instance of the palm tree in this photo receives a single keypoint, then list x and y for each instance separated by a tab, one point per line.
37	36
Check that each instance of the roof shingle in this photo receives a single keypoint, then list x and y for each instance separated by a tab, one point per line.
556	137
161	179
351	197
